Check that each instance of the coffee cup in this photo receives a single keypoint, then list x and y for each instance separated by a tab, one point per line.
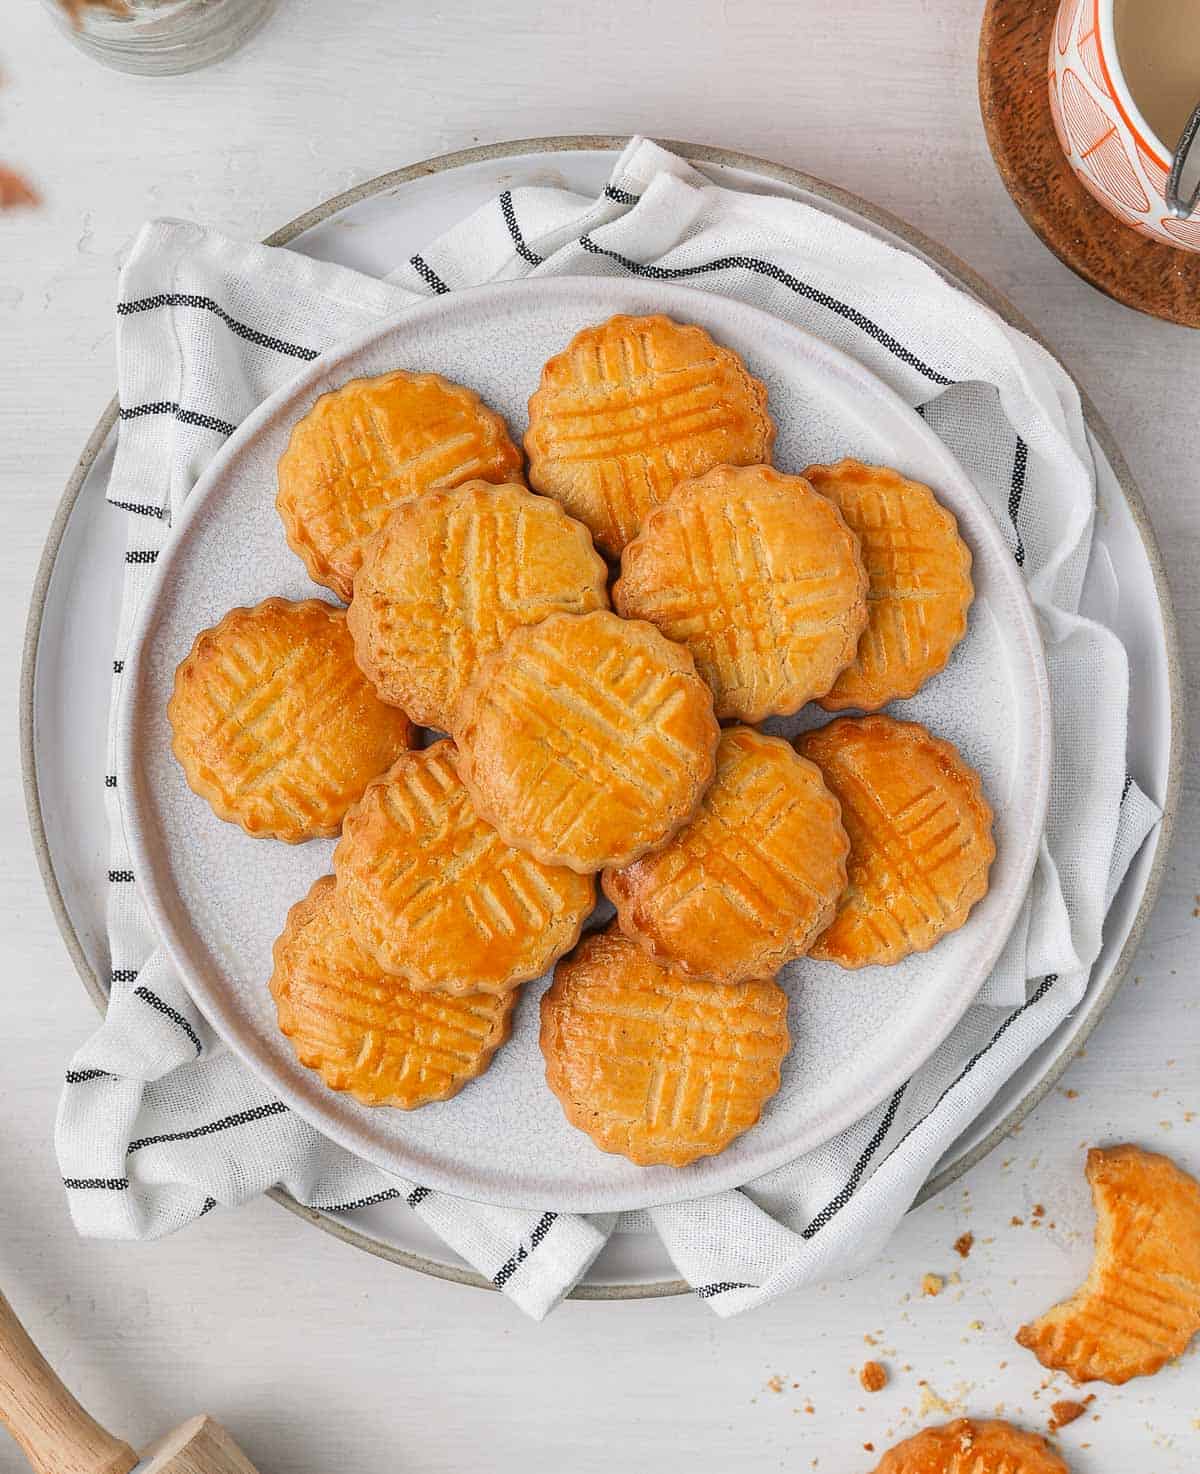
1125	98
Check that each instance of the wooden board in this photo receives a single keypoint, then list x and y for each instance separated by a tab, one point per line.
1014	45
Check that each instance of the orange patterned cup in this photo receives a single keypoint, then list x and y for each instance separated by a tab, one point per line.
1107	141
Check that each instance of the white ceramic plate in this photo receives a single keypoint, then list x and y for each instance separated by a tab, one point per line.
218	898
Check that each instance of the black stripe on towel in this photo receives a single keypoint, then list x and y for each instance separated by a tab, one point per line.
110	1184
506	1271
80	1077
1016	491
124	974
110	780
173	1014
226	1123
118	667
622	196
510	219
140	555
386	1196
121	877
142	509
706	1292
206	304
428	275
785	278
209	1205
835	1205
184	416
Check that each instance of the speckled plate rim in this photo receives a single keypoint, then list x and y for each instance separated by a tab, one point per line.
957	272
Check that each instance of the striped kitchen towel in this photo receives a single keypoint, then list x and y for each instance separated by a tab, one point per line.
159	1123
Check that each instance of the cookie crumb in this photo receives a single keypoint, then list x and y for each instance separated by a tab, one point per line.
1038	1211
869	1448
1016	1222
874	1377
963	1244
1062	1413
775	1383
932	1403
932	1284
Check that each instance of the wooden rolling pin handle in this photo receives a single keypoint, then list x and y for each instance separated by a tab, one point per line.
56	1435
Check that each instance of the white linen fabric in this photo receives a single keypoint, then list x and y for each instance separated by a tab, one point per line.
159	1123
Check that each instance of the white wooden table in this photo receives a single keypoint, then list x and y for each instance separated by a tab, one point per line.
320	1357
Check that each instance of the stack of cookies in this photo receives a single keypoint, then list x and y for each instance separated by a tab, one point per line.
534	686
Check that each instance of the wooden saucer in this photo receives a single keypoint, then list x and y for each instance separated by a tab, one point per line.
1014	48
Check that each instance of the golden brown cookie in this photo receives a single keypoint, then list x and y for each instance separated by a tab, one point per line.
920	837
969	1447
1140	1304
587	739
449	577
652	1066
746	885
274	723
366	1032
919	574
630	409
435	896
760	578
375	442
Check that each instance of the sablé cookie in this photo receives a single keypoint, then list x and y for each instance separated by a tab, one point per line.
1140	1304
631	408
435	896
655	1067
920	837
970	1447
370	444
368	1033
587	739
274	723
760	578
919	575
751	880
451	575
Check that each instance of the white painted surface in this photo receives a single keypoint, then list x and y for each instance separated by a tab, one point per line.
321	1357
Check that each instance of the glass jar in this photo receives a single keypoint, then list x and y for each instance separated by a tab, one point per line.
159	37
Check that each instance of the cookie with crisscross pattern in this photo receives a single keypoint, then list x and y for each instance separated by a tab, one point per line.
920	837
760	578
370	444
275	725
969	1447
1140	1304
751	880
631	408
587	739
436	897
651	1065
919	582
366	1032
451	575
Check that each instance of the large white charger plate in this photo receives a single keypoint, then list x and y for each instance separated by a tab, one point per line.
218	897
71	633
